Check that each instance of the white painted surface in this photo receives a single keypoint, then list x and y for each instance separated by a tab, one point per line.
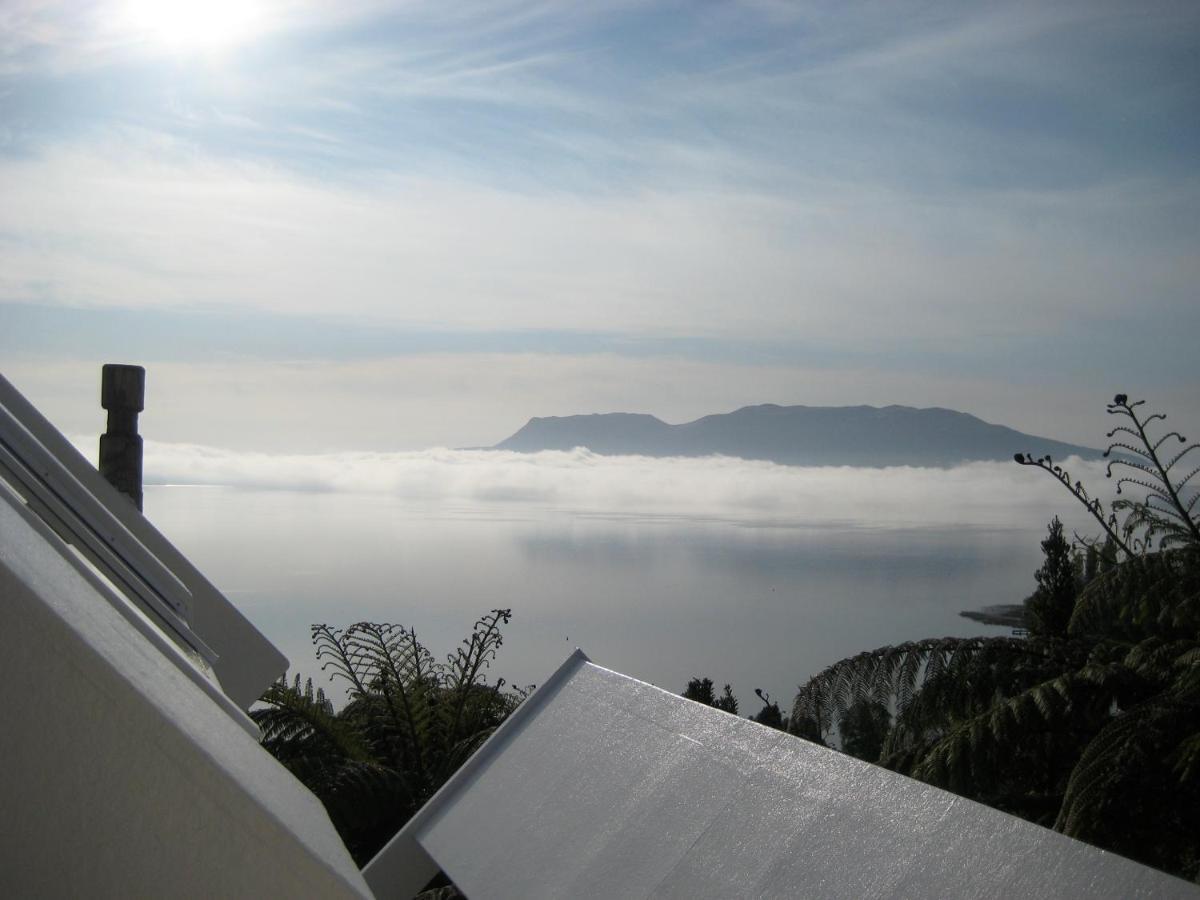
603	786
120	774
245	661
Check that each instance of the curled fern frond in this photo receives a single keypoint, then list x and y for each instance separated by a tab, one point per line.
1094	507
1169	522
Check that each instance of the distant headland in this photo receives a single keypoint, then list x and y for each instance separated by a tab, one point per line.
797	435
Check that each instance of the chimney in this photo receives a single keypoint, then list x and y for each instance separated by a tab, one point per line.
123	394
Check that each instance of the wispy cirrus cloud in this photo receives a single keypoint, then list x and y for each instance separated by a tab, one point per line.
926	190
89	228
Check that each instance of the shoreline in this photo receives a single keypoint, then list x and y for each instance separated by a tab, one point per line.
1011	615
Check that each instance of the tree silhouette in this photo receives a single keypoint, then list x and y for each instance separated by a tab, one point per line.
701	691
1048	610
1092	728
770	715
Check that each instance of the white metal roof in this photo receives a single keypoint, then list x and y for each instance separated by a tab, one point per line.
124	773
66	491
603	786
128	765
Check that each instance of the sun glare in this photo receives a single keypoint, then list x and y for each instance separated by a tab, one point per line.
196	25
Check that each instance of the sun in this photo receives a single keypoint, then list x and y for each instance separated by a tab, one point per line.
192	25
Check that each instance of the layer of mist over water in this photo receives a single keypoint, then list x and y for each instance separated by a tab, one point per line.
748	573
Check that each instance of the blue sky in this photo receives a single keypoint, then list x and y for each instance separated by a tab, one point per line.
435	220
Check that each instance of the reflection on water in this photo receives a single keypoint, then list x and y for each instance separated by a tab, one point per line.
663	599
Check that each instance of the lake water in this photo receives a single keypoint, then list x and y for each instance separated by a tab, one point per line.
759	601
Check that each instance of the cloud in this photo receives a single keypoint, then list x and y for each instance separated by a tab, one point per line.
134	226
984	494
937	199
842	178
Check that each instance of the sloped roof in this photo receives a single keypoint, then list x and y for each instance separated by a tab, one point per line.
39	464
129	766
603	786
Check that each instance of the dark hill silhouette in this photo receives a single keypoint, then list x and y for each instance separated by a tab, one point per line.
797	435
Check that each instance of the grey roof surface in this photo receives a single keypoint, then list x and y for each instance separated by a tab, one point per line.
603	786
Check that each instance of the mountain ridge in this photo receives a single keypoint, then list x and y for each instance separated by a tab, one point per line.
796	435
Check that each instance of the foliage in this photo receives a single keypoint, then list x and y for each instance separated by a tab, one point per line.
701	691
1091	725
770	715
1048	610
409	723
864	728
444	892
1166	514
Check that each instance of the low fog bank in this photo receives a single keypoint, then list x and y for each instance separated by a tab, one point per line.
983	493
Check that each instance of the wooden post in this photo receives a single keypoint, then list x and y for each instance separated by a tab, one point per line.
123	394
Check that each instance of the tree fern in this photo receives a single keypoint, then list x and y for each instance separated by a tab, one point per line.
300	721
1166	515
979	751
1156	593
1095	731
1111	800
893	675
409	722
973	683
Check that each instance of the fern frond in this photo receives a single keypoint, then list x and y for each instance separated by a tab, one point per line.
1153	594
890	675
1128	448
1186	478
409	723
298	722
1111	796
1093	506
1185	761
1170	464
975	754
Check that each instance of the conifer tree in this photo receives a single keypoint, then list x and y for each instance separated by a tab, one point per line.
1049	608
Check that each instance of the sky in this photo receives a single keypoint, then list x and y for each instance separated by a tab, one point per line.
382	227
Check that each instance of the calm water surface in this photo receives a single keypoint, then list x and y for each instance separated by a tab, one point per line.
762	603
